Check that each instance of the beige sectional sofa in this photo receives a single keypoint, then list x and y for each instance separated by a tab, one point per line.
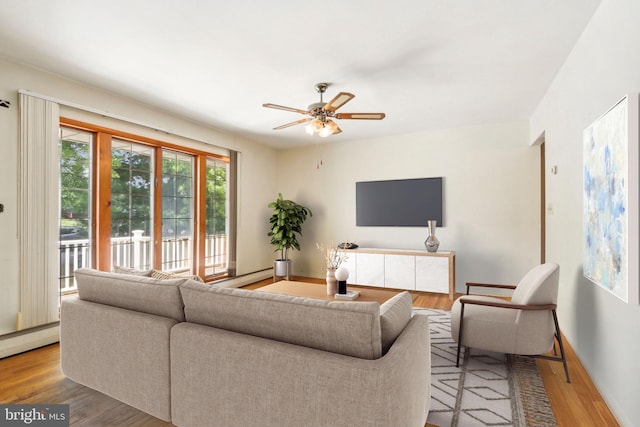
203	355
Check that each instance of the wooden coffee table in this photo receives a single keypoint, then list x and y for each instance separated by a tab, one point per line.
319	291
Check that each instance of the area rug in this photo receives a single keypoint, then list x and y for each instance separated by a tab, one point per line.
488	389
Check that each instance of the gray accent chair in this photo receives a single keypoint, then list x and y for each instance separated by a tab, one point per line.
527	325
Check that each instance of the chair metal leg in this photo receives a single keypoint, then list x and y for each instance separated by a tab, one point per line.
559	338
460	334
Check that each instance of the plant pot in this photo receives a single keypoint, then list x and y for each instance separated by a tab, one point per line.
282	267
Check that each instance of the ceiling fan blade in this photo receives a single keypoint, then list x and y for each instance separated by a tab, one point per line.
338	101
297	122
280	107
360	116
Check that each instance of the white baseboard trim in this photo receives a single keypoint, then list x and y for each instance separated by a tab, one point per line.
246	279
21	342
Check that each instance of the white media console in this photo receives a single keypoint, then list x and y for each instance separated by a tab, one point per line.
416	270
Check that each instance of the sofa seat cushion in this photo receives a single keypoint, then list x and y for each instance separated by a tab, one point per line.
137	293
348	328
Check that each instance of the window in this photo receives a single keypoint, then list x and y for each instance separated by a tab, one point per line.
74	245
134	202
177	211
217	223
132	192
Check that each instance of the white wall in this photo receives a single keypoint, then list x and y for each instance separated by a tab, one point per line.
257	181
603	67
491	196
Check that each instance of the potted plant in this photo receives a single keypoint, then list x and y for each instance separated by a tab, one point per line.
284	225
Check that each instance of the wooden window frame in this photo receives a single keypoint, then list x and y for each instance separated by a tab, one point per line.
101	204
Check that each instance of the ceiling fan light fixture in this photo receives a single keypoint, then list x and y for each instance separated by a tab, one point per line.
309	129
325	132
330	128
314	126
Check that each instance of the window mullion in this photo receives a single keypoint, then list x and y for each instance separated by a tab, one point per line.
102	208
157	203
200	222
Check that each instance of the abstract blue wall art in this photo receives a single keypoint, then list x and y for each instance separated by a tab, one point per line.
606	201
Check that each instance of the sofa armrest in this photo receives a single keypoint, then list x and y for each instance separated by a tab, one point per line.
222	378
121	353
487	285
499	304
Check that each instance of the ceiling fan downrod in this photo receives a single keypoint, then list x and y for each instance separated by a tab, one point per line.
315	109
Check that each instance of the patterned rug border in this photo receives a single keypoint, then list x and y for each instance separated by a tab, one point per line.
531	397
528	402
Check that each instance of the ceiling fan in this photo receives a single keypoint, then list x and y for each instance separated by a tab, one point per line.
321	113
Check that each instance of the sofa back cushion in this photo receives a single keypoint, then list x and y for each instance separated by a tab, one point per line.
129	270
163	275
137	293
349	328
395	313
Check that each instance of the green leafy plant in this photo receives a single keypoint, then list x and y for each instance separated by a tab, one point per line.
285	224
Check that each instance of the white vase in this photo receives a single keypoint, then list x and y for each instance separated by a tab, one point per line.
332	282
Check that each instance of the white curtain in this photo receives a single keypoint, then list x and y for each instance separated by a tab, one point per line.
38	214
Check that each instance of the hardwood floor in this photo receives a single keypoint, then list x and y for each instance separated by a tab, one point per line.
35	377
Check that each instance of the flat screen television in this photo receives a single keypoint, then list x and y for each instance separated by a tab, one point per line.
399	203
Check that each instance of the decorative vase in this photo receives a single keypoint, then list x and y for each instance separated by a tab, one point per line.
332	282
432	241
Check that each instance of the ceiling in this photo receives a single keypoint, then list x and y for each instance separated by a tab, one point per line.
427	64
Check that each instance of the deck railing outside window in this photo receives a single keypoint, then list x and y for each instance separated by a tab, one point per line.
136	251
